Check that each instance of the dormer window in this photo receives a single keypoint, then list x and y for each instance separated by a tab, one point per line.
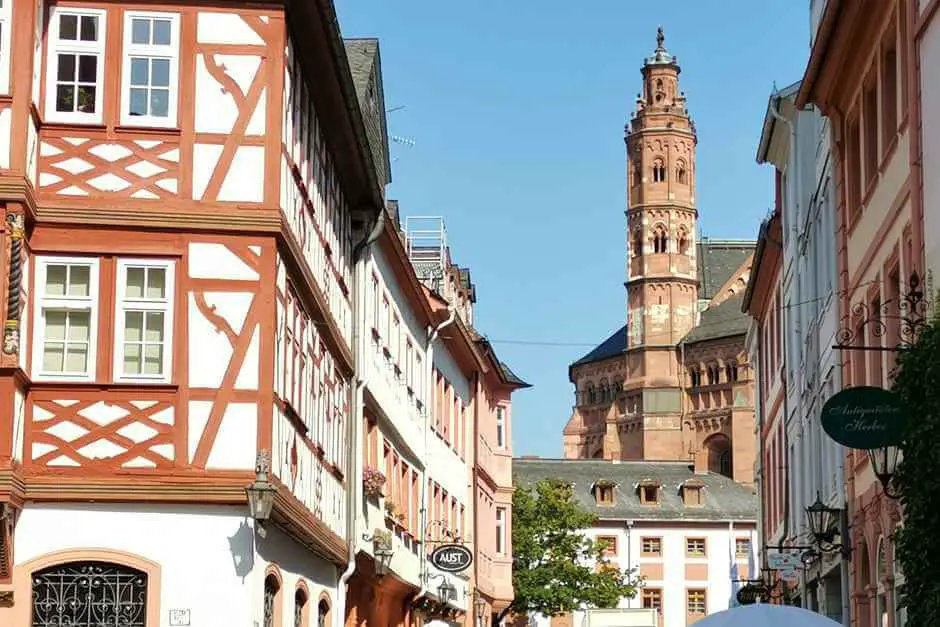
693	493
604	492
649	492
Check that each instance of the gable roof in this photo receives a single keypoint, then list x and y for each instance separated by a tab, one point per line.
365	65
725	320
717	260
722	498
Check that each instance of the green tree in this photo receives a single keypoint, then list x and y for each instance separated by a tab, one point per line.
918	477
550	551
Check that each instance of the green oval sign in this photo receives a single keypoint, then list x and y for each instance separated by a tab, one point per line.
864	417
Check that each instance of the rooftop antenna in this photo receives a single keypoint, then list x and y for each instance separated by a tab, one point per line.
398	139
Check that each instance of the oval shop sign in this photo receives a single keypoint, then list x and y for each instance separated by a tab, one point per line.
452	558
864	418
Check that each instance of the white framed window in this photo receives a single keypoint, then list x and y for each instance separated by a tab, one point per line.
6	9
66	318
75	74
500	530
143	320
149	76
501	427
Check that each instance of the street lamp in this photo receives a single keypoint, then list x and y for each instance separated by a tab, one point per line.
884	463
383	560
382	552
824	525
480	605
446	591
261	491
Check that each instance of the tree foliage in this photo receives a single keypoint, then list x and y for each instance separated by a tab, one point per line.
918	477
553	560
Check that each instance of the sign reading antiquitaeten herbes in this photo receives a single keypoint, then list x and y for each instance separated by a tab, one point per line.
864	417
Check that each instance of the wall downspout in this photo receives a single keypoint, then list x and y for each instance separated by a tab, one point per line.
432	333
629	555
478	620
354	462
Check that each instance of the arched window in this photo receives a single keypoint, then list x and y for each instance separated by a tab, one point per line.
900	613
605	391
300	607
591	394
881	599
718	448
271	589
713	375
695	375
637	173
323	613
731	372
683	242
681	174
638	242
89	593
659	171
660	239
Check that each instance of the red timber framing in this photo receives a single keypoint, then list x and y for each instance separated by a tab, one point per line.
205	195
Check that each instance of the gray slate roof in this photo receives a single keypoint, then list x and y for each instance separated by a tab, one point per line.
717	261
611	347
725	320
366	68
723	499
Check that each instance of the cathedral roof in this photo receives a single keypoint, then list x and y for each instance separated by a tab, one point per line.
717	260
723	499
725	320
611	347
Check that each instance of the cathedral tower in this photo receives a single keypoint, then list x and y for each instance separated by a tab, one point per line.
673	383
661	279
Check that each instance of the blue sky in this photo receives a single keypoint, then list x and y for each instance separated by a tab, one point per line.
517	109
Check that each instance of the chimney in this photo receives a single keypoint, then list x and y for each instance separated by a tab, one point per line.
700	463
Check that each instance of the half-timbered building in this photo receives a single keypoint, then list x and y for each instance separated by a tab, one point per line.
183	187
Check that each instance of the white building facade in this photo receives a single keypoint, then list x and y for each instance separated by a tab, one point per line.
797	144
690	536
416	414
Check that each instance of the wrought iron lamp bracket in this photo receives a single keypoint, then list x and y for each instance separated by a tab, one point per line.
910	310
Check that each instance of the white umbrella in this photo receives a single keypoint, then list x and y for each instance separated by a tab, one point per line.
766	615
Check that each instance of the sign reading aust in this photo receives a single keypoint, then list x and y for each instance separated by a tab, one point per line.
864	417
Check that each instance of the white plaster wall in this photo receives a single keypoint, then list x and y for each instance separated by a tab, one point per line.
322	215
319	490
210	352
930	104
402	422
812	317
210	562
444	464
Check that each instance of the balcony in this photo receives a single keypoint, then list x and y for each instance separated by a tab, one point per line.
496	464
495	575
